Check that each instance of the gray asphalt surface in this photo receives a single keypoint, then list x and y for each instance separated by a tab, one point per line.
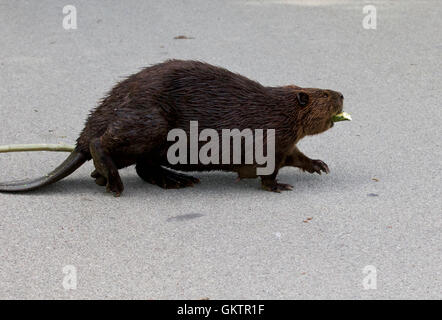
223	239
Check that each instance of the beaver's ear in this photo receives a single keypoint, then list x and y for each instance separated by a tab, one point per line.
302	98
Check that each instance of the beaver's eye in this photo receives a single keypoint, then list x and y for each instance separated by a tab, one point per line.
325	95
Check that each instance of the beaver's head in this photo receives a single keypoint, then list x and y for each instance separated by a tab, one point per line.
316	108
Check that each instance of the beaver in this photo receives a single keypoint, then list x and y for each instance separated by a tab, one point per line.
131	123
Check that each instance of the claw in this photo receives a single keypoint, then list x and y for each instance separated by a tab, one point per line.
319	165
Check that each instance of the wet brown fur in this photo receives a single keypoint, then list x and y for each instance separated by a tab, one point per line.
130	125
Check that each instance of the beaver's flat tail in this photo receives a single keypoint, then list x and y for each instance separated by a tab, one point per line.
72	163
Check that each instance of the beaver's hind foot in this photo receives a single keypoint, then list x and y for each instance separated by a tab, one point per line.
99	179
106	172
274	186
166	179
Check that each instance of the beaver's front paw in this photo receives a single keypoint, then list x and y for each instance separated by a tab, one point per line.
274	186
317	166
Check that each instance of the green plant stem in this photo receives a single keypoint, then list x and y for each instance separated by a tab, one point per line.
37	147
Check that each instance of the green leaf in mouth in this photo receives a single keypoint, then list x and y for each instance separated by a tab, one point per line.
343	116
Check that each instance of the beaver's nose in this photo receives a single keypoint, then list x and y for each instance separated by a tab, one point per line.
341	96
